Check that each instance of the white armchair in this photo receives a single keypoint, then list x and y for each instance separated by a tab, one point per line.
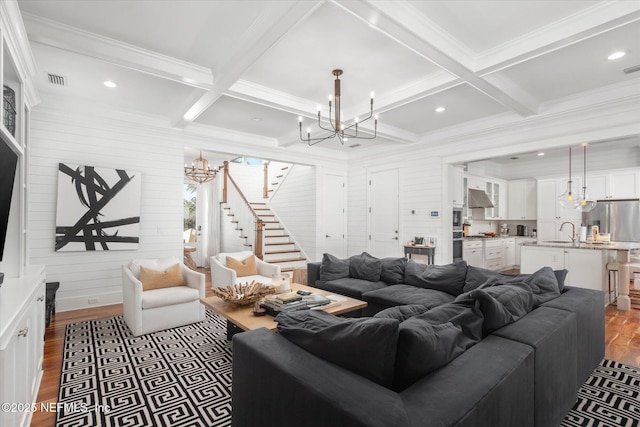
159	309
222	276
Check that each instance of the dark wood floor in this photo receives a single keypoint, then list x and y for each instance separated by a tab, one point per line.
622	344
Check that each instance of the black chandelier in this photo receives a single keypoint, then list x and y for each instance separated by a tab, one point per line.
337	128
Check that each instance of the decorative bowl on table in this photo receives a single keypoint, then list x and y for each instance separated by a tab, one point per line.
244	294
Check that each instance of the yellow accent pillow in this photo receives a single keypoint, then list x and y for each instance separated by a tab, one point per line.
243	268
153	279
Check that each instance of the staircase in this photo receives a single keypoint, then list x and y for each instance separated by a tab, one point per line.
279	247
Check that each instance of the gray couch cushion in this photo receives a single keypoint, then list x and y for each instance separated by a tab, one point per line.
477	276
333	268
392	296
351	287
393	270
402	312
365	267
449	278
500	305
431	340
366	346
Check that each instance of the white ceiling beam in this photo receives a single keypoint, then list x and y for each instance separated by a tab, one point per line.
268	28
595	20
400	21
65	37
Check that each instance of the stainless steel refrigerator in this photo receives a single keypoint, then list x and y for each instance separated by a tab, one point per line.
621	218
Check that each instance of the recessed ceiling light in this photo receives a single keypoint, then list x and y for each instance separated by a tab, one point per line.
541	154
109	84
256	119
440	109
616	55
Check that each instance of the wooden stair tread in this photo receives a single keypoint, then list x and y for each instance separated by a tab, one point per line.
279	244
278	235
281	252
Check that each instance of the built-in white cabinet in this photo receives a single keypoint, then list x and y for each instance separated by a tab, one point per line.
620	184
22	316
494	254
509	246
472	253
456	186
586	267
551	214
518	245
497	192
522	197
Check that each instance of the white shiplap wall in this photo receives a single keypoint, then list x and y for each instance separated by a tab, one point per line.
294	203
420	190
157	155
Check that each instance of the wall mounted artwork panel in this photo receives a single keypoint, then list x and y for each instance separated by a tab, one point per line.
98	209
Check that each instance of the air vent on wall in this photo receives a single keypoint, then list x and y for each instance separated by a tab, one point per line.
56	80
354	145
632	69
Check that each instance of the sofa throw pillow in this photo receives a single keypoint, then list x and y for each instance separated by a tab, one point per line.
332	268
154	279
365	346
430	340
449	278
561	275
365	267
393	270
246	267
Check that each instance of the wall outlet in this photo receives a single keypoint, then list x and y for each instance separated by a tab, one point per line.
94	300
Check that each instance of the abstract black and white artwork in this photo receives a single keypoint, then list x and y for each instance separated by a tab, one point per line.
98	209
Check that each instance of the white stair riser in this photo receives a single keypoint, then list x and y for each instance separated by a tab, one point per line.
271	248
268	232
283	239
272	257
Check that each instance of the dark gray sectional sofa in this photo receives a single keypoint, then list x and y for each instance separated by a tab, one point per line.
524	368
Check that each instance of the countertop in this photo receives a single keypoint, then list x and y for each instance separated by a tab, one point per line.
612	246
495	238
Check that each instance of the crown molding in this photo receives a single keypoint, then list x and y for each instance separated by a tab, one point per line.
51	33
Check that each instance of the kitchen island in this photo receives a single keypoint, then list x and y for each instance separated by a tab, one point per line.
586	263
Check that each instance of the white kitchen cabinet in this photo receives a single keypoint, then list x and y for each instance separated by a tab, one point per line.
456	186
509	246
494	254
551	214
472	252
497	192
586	267
518	245
21	343
522	198
618	184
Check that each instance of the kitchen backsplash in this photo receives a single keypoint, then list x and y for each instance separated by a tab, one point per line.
479	226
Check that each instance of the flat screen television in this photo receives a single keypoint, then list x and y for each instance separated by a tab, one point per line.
8	164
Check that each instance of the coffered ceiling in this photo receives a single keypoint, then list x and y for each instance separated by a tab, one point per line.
250	68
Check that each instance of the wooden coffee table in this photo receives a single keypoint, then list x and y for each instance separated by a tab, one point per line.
242	319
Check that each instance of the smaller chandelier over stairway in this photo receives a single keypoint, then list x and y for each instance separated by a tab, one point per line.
336	126
200	171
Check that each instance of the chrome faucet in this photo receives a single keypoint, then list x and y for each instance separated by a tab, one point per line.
573	231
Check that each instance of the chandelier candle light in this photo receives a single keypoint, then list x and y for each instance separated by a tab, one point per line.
200	171
337	126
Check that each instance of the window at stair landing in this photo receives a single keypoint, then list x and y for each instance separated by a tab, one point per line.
251	161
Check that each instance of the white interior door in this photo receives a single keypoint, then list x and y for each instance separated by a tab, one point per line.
333	215
383	214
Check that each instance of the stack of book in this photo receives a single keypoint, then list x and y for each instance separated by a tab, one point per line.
274	304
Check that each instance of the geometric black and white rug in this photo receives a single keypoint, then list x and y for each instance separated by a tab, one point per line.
182	377
177	377
610	397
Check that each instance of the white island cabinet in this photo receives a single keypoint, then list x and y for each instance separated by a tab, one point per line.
586	264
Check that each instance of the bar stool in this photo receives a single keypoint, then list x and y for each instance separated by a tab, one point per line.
613	271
